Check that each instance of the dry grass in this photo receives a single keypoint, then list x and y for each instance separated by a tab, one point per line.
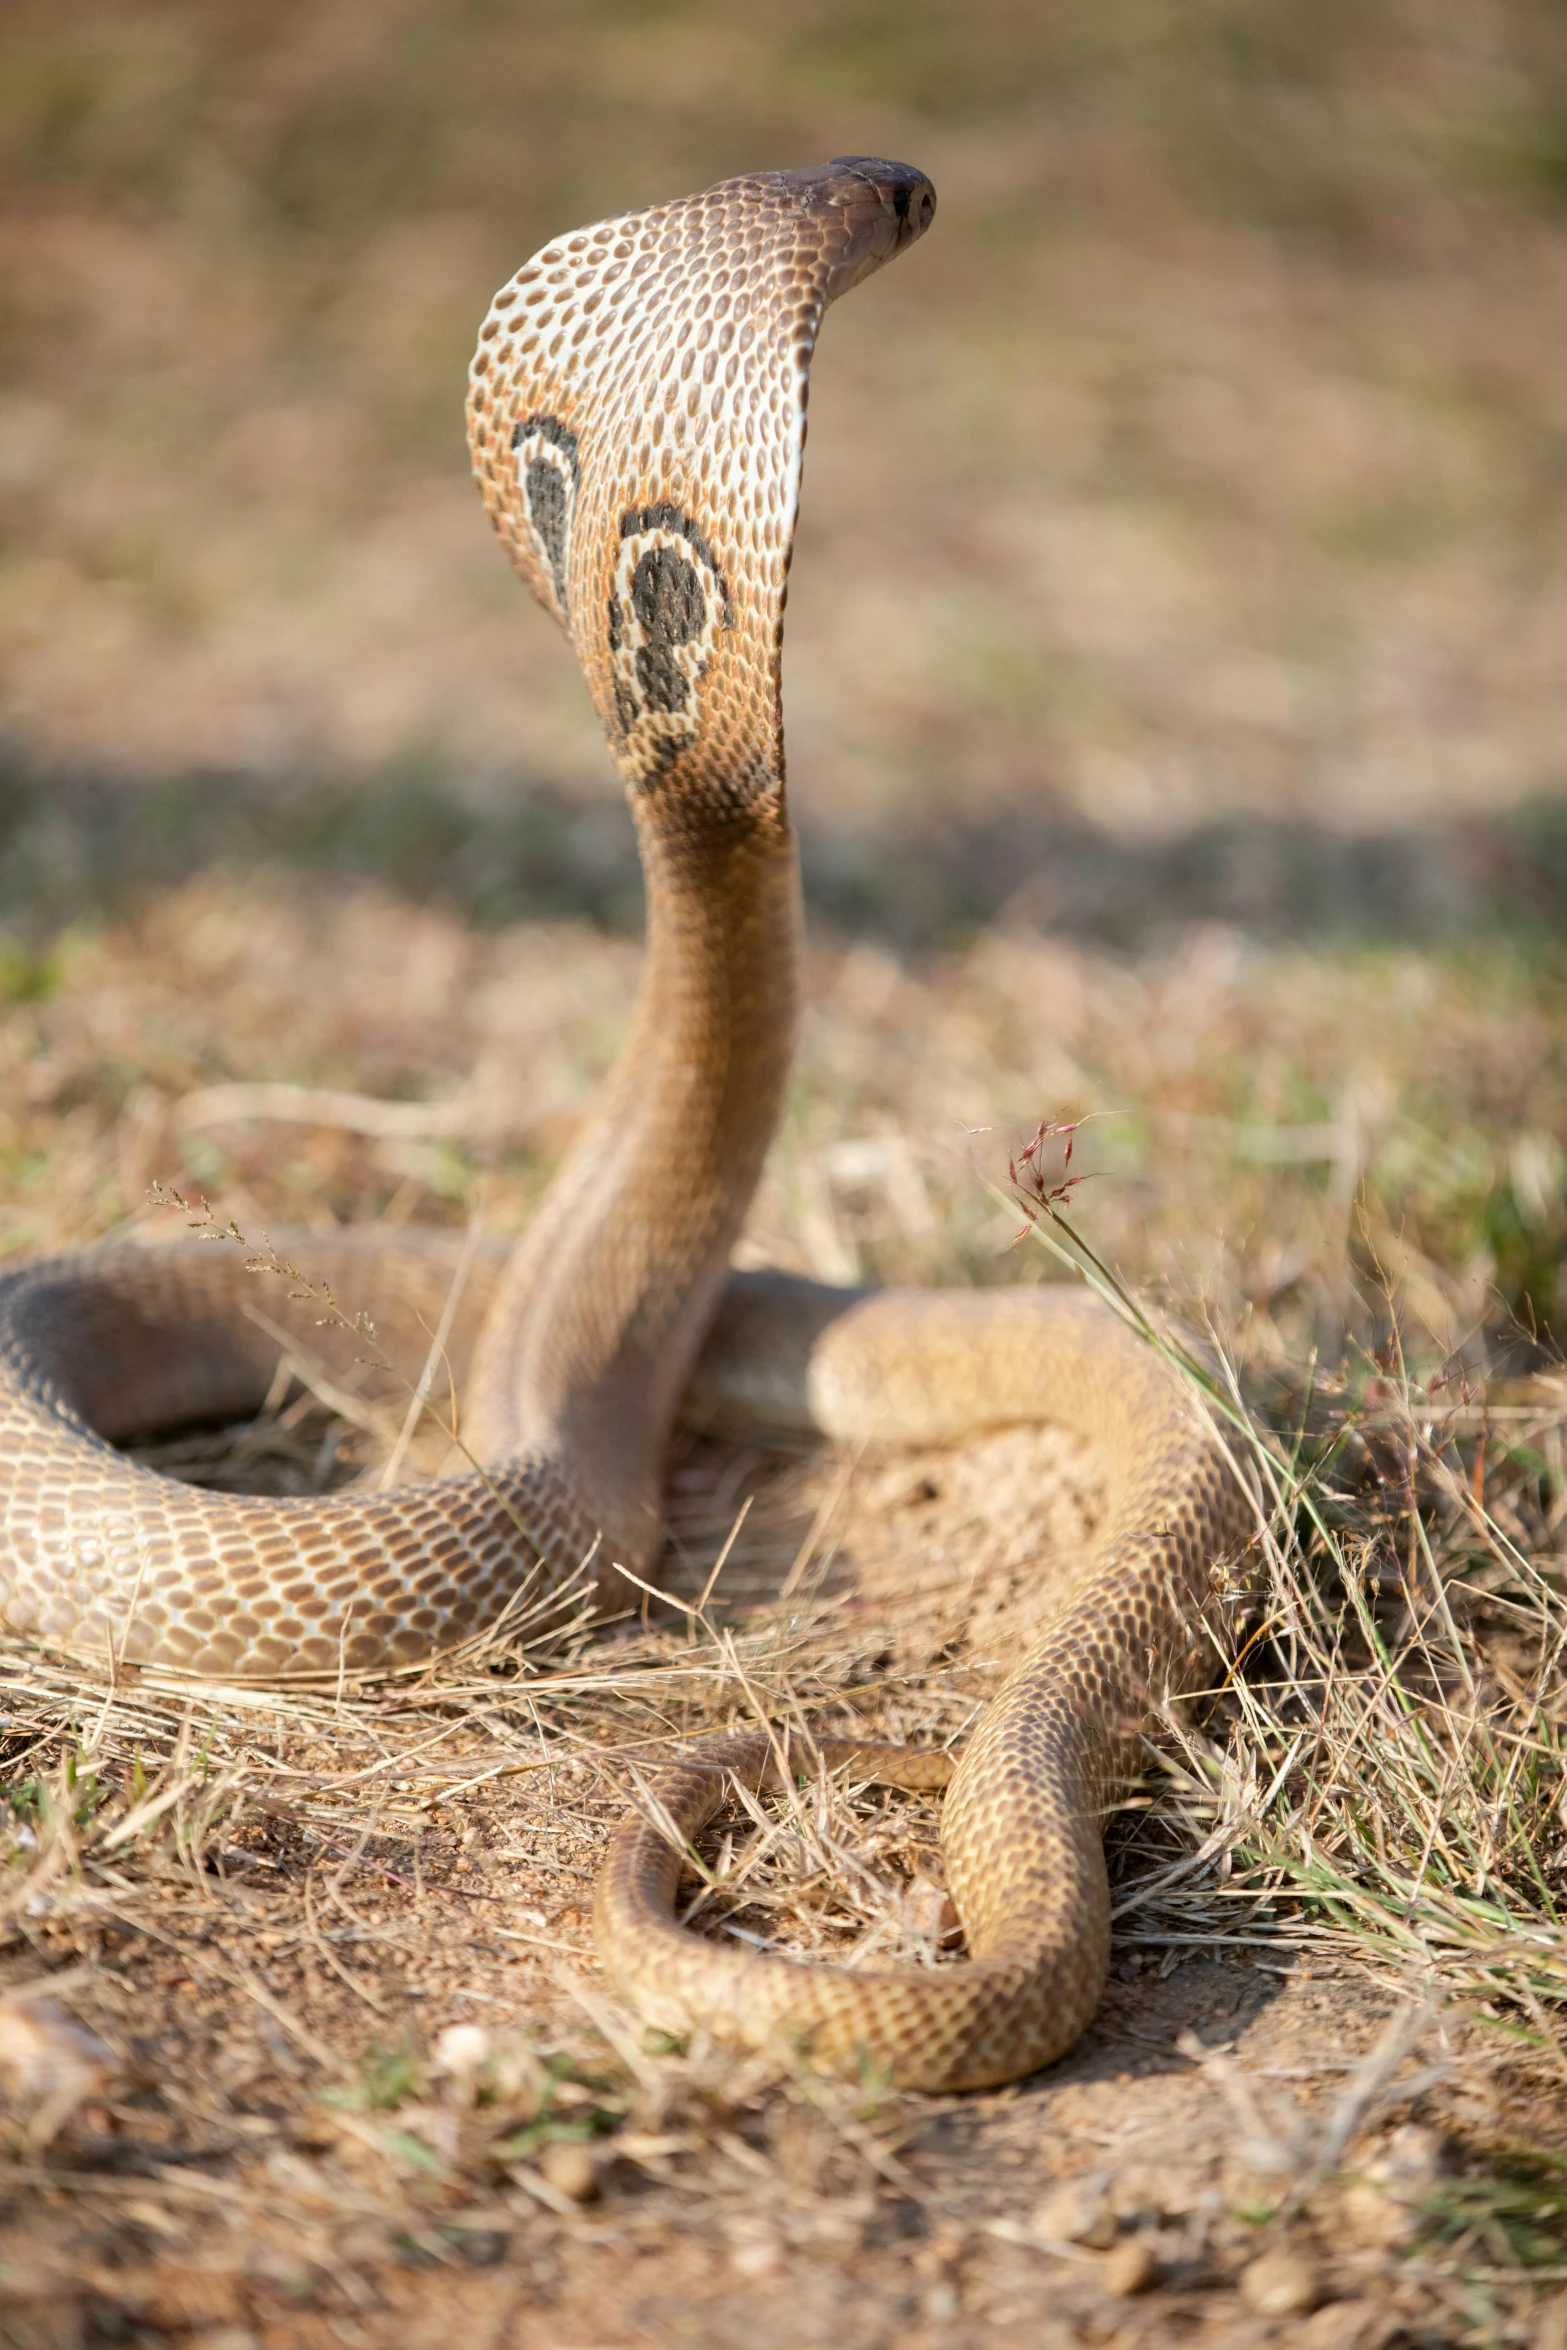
336	1945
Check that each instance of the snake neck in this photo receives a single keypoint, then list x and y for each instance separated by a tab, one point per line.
604	1305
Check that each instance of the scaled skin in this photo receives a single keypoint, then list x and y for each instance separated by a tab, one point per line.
637	419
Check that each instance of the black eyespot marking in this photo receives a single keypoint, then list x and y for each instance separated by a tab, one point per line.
548	428
667	608
667	596
639	519
544	488
668	599
549	473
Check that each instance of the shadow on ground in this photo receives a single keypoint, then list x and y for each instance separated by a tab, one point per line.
77	843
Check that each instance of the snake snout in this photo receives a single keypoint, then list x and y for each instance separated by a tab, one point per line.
880	208
903	187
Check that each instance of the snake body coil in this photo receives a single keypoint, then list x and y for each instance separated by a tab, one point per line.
637	421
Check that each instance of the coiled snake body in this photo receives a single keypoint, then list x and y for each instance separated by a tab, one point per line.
637	422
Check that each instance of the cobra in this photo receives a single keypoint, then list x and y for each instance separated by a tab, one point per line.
637	422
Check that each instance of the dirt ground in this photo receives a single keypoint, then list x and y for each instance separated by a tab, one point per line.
352	2063
764	2223
356	2079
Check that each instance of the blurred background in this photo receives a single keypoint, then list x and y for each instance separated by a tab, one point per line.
1184	523
1175	683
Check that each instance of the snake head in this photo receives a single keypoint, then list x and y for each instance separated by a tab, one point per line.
882	208
636	414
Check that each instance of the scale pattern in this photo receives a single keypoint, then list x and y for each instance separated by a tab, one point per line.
637	420
1023	1821
637	423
